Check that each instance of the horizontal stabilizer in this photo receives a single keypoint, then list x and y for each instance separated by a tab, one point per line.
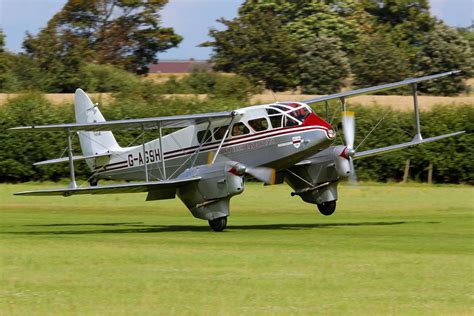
383	150
66	159
138	187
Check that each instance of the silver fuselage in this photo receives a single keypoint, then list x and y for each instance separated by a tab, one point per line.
278	148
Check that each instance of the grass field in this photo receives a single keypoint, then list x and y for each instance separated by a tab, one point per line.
388	249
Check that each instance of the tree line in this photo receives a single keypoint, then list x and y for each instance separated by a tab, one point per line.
451	158
314	45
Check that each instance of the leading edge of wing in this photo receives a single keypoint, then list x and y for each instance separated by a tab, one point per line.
114	188
66	159
383	150
176	121
379	88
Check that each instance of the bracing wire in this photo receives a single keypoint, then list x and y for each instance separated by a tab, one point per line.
302	179
373	128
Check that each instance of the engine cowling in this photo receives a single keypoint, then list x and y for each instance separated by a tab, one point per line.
209	197
316	180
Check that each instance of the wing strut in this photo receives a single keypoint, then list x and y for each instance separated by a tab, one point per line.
72	184
147	177
223	139
343	103
326	110
418	136
161	151
204	140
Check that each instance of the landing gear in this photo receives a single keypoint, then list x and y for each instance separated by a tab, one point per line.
327	208
218	224
93	181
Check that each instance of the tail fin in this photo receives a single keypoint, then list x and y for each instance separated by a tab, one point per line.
92	143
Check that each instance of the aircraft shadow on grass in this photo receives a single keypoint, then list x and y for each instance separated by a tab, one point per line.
140	227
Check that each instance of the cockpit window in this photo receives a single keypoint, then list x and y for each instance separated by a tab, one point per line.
290	122
272	111
282	108
300	114
288	114
219	132
239	129
259	124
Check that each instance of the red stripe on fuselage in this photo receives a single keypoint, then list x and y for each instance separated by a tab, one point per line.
256	136
235	141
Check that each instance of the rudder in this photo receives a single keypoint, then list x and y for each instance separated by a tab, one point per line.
92	143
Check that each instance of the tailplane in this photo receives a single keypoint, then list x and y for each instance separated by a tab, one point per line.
92	143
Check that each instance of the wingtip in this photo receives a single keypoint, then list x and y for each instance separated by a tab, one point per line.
20	128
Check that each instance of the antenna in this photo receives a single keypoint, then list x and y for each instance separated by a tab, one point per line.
274	96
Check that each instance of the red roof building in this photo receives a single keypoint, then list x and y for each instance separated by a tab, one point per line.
179	66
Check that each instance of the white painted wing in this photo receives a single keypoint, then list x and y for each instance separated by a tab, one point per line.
66	159
157	190
379	88
177	121
383	150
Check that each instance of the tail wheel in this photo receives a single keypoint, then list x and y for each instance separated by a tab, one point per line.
327	208
218	224
93	181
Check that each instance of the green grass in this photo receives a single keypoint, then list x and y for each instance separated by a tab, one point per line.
388	249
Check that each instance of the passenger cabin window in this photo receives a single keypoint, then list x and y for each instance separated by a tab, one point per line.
240	129
259	124
219	132
276	120
202	134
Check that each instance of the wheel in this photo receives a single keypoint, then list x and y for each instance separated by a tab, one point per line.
327	208
218	224
93	182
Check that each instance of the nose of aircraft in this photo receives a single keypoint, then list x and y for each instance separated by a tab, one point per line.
314	120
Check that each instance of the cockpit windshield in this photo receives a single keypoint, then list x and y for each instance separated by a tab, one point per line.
287	114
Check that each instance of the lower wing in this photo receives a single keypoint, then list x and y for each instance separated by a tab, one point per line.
157	190
383	150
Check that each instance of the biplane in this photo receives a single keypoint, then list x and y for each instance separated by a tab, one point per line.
205	160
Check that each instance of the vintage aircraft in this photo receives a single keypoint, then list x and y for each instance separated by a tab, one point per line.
204	162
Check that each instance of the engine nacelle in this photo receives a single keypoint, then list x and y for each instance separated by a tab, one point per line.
316	181
209	197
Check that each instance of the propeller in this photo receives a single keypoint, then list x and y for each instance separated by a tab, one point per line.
263	174
348	125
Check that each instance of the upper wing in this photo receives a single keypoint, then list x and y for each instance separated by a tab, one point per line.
145	123
380	88
157	190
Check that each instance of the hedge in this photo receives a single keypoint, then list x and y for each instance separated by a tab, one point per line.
452	158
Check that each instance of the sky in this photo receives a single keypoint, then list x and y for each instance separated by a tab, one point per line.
192	19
